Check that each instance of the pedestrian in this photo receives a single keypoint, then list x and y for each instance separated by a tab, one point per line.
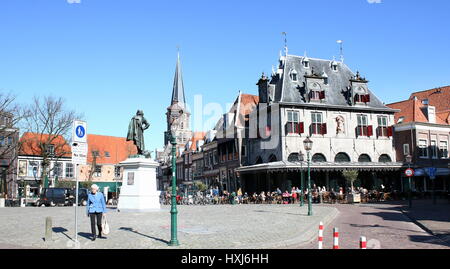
95	209
239	194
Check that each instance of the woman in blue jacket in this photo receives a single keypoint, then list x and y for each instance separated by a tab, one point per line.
95	208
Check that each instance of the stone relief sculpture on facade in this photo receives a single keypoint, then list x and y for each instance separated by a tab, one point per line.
340	129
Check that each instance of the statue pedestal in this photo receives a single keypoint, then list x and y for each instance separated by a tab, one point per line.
139	192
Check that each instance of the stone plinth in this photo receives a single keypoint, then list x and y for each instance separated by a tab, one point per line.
139	192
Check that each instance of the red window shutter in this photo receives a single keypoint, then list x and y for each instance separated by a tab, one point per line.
368	98
302	127
369	131
390	131
324	129
322	95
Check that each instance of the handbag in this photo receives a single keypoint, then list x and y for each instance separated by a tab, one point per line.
105	225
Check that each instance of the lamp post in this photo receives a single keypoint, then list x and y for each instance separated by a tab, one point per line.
301	158
173	211
308	143
409	161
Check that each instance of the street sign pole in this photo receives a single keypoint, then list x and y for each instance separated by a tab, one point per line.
79	156
76	210
409	173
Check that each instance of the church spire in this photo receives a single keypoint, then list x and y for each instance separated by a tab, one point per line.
178	88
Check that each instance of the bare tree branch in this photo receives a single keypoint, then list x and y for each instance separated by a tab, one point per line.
50	124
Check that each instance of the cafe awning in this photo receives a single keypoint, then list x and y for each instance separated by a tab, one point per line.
285	166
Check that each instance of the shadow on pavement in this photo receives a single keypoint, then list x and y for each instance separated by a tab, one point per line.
148	236
440	240
62	231
85	235
283	213
377	226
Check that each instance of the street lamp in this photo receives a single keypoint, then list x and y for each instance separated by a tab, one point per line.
308	143
173	211
408	159
301	158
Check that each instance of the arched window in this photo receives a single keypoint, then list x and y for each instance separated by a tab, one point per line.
385	159
259	160
319	158
272	158
342	158
364	158
294	157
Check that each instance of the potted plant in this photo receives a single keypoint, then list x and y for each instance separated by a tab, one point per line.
351	176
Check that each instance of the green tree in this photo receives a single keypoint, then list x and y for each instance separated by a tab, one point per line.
351	176
201	186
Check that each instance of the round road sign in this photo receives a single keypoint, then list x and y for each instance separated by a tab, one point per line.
409	172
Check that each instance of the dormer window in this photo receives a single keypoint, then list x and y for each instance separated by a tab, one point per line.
316	92
294	76
362	98
305	62
361	95
334	66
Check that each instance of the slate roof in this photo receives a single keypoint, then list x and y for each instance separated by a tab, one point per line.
178	87
288	91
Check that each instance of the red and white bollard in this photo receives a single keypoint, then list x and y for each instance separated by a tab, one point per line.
321	235
363	242
335	238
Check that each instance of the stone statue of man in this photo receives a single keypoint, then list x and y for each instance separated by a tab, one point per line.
138	125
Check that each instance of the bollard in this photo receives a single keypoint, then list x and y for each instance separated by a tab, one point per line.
321	235
335	238
48	229
363	242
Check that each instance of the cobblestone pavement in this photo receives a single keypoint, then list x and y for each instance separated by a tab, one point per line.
384	225
200	227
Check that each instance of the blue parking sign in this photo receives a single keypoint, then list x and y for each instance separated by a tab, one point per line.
432	172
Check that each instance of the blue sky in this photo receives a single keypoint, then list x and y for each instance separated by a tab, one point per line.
108	58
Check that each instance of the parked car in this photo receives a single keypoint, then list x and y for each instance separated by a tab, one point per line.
82	196
54	197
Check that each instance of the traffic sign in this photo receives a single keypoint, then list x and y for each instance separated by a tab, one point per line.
79	134
432	172
79	153
409	172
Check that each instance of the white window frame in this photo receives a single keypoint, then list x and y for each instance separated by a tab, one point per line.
406	150
69	170
443	145
294	119
423	146
434	149
362	122
316	123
